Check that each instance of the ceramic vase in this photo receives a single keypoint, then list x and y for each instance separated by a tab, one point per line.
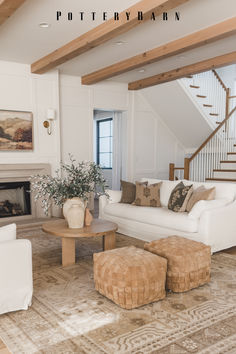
75	216
73	211
70	202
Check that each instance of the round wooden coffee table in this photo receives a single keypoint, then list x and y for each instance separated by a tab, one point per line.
99	227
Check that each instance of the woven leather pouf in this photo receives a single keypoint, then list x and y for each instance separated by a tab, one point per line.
129	276
189	262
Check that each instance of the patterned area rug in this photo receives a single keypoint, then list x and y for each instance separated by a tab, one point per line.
69	316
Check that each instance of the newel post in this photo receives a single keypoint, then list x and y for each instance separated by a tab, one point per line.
171	171
186	168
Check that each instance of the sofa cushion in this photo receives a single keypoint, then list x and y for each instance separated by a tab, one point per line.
166	188
223	190
203	205
200	193
128	192
148	195
179	197
154	216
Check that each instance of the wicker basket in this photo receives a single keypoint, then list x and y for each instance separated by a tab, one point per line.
129	276
189	262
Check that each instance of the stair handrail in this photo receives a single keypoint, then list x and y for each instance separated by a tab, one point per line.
228	114
212	134
187	160
220	80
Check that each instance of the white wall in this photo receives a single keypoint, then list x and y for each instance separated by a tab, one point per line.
20	90
151	145
179	112
77	105
228	75
154	145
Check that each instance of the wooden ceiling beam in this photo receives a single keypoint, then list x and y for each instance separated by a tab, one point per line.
103	33
197	39
7	8
192	69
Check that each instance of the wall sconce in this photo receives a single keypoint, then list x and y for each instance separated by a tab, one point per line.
51	115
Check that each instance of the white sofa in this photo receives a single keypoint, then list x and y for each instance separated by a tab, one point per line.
211	222
16	283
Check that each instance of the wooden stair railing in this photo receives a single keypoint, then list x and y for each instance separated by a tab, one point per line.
172	170
228	114
219	79
187	161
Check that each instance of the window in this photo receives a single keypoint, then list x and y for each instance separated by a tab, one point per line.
104	143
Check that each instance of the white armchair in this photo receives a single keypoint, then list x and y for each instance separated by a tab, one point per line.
16	282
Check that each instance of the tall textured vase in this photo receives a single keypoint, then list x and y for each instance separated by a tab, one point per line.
73	211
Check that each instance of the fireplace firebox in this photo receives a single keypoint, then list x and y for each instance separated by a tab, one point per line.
14	199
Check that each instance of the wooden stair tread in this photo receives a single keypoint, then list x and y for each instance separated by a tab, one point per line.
221	179
232	96
193	86
207	105
201	96
214	114
224	170
228	161
189	76
231	153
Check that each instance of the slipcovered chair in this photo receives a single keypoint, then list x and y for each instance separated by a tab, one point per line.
16	283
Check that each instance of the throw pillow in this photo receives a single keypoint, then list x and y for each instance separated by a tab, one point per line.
201	193
179	197
128	192
148	195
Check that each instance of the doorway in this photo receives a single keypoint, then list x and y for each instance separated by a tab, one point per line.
110	145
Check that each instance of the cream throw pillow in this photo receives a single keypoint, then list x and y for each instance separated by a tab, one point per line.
201	193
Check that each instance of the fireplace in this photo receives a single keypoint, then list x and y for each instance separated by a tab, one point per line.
15	199
14	187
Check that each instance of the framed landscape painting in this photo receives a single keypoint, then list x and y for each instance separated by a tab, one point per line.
16	130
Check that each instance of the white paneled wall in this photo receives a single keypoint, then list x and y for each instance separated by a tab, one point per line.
20	90
150	144
76	117
155	146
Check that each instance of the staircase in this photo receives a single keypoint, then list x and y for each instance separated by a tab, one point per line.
215	159
227	170
208	92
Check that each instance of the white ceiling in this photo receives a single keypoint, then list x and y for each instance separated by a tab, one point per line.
23	41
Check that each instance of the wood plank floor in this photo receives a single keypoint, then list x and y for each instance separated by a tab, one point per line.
231	250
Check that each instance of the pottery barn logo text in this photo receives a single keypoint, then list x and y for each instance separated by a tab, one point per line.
116	16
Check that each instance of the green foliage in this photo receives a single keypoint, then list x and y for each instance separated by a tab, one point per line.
72	180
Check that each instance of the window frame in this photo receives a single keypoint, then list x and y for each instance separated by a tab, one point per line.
98	140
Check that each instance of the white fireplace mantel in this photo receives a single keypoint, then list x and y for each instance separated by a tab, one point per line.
22	173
